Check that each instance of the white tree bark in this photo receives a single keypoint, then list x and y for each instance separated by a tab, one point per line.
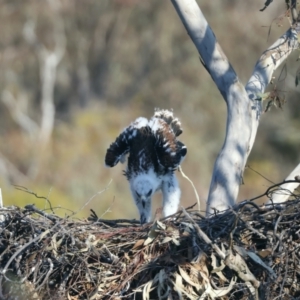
286	189
1	206
49	61
269	61
243	108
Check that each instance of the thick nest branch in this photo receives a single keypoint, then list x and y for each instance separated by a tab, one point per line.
248	252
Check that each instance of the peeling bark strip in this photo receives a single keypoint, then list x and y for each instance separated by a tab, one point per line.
243	105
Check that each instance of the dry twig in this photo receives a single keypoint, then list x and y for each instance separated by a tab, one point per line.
187	256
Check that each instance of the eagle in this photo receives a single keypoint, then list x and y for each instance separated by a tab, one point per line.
153	154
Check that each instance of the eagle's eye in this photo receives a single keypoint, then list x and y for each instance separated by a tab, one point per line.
149	194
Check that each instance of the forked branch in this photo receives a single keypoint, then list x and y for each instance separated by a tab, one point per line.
243	104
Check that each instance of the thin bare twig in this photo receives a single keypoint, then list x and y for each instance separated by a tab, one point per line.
194	188
266	193
31	207
89	200
26	190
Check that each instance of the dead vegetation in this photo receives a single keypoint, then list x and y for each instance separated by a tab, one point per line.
249	252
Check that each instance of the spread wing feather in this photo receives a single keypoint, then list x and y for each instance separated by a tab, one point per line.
170	152
121	146
164	129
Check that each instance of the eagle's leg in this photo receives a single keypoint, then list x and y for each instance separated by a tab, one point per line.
171	195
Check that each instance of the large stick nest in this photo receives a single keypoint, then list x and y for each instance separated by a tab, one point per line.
248	252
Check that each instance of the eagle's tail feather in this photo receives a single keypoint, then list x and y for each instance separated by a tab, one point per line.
168	117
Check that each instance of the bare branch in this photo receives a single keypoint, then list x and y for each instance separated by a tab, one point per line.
48	61
267	3
48	67
211	53
229	166
243	105
263	72
287	188
2	218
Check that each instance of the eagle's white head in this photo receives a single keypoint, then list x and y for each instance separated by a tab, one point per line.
143	189
144	185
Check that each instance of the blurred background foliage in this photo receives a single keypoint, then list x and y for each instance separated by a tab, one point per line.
103	64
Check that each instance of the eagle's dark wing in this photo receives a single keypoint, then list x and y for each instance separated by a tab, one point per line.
117	150
170	158
170	152
180	152
121	146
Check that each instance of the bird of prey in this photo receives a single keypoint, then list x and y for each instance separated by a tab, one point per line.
154	155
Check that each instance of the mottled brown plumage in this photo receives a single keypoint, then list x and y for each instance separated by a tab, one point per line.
154	155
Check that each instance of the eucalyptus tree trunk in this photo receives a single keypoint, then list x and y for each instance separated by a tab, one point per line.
244	104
